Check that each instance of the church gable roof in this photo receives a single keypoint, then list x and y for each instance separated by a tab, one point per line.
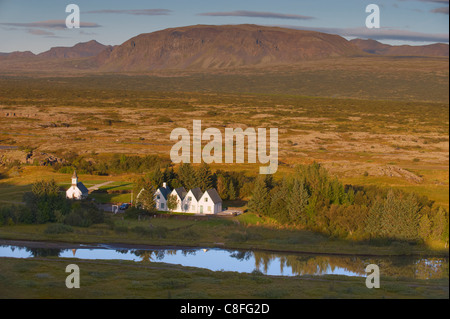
165	191
82	188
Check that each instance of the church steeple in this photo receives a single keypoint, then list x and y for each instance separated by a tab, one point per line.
74	178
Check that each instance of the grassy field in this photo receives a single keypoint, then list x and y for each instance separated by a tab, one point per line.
45	278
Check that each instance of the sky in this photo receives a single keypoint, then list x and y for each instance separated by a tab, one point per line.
31	25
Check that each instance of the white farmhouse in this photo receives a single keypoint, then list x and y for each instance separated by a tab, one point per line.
161	196
180	194
210	202
77	191
191	201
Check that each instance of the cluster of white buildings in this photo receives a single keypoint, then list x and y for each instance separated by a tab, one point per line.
195	201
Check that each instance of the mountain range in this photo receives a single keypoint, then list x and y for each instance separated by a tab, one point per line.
377	48
218	47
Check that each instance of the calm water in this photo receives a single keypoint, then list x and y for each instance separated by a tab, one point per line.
274	264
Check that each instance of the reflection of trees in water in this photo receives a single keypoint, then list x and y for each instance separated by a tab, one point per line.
241	255
428	268
159	255
408	267
44	252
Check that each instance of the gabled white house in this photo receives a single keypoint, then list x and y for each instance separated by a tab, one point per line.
161	196
180	194
77	190
191	201
210	202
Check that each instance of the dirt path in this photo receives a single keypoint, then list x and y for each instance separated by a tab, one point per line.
96	187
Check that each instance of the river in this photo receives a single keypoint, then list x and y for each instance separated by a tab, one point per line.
243	261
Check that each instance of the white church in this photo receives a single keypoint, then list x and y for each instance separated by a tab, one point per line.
77	190
195	201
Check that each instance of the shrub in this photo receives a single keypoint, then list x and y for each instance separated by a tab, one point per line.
7	216
84	214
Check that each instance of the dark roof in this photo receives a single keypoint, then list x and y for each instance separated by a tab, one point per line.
165	191
214	195
197	193
181	191
82	188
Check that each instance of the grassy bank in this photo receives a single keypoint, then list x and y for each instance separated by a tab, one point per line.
247	231
45	278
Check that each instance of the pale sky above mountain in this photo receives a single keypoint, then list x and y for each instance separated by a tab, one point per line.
39	25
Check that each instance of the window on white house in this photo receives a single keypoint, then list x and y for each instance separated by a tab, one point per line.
158	197
162	205
209	209
206	199
189	198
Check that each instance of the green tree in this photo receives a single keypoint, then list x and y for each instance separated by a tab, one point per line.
394	217
204	177
145	199
158	176
170	177
260	201
278	205
425	227
186	175
231	191
440	225
222	187
297	203
44	200
373	224
172	203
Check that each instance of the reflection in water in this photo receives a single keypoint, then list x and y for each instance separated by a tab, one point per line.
44	252
408	267
247	261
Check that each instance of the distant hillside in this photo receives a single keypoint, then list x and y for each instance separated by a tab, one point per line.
205	47
80	50
375	47
208	47
17	55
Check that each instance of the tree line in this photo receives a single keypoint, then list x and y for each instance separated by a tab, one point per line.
311	198
114	165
